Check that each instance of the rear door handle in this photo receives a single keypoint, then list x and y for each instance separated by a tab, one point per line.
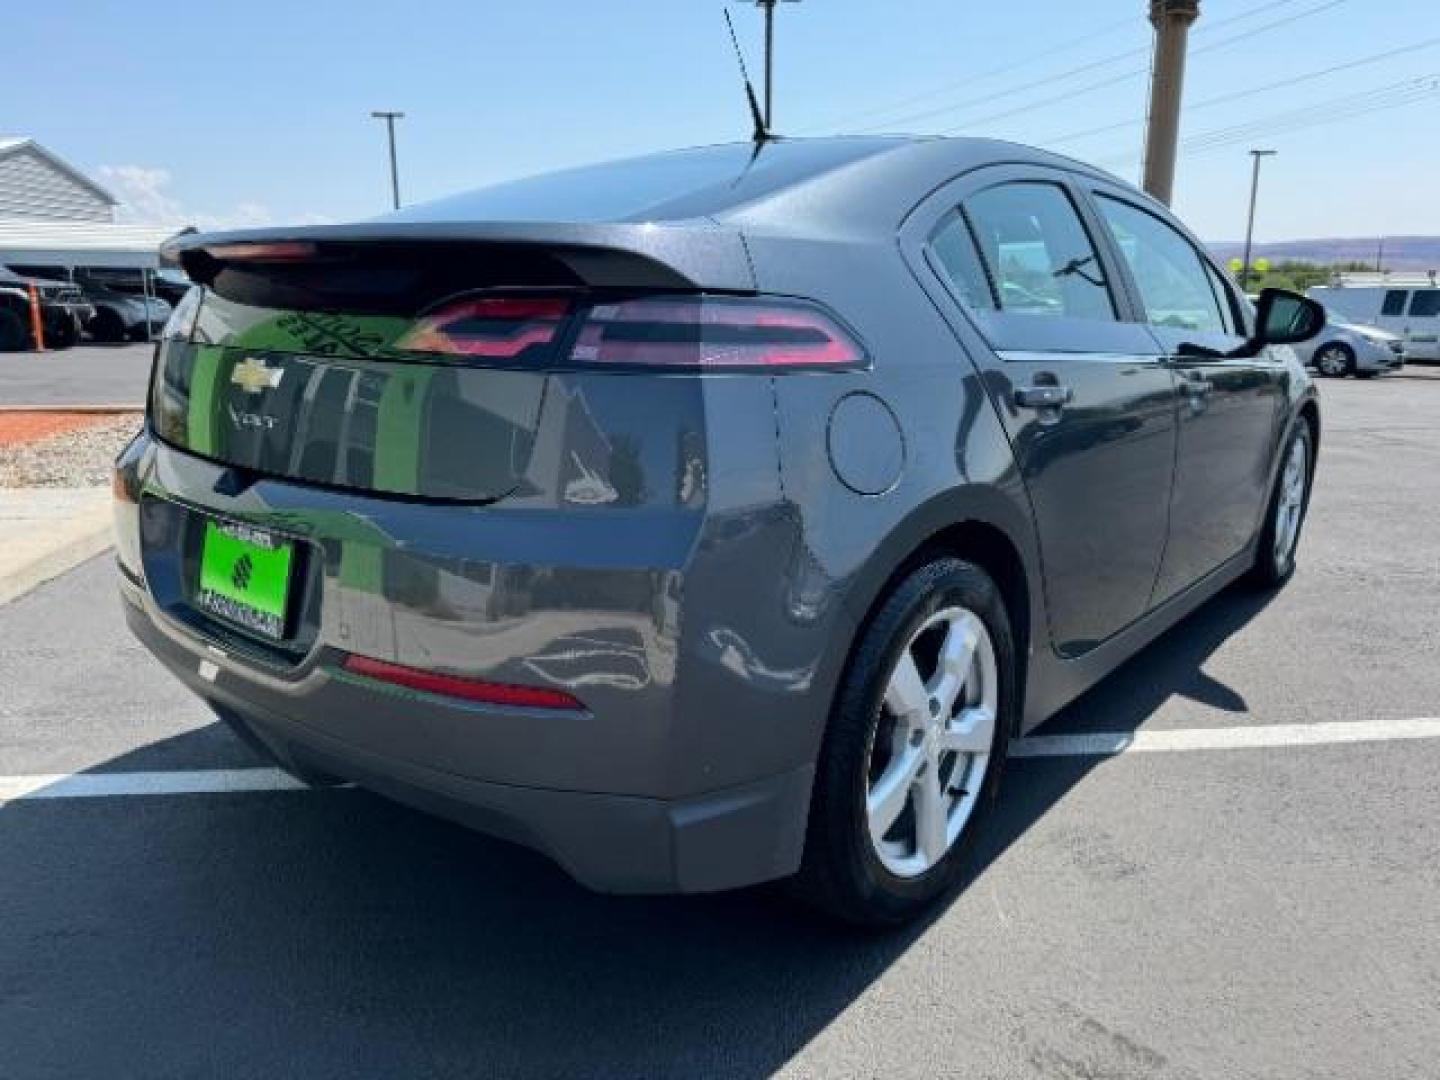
1043	397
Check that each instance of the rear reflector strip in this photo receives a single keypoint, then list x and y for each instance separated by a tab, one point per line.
430	682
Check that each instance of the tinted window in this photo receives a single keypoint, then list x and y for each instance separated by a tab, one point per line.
1426	304
1394	302
1171	275
959	262
1037	253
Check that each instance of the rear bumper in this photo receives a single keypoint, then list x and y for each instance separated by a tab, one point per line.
737	836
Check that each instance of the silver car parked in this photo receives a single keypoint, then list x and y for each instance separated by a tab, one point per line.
1346	349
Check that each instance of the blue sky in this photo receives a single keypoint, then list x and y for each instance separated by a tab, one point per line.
258	112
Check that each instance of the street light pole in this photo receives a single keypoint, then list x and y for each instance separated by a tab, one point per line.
1258	155
390	118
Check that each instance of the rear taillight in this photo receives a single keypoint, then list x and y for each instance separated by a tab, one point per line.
455	686
694	332
493	327
713	333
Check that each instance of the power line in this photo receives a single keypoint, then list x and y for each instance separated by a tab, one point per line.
1344	107
1138	72
1004	69
1068	73
1296	80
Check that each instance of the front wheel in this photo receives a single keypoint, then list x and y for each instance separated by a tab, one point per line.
914	750
1275	557
1335	360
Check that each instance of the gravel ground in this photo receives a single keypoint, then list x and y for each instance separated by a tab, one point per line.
73	459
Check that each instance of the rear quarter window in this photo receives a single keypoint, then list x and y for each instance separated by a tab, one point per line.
1426	304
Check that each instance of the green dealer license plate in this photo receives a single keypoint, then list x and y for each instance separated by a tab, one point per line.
245	577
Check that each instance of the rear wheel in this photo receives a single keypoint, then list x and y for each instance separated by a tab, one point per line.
1275	558
12	331
64	334
915	748
1335	360
107	326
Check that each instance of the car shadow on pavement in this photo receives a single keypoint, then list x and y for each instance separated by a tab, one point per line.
333	933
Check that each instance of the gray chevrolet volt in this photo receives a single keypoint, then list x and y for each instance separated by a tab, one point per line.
712	517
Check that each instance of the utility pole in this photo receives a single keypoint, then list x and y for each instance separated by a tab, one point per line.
1172	20
1380	257
768	7
1258	155
390	118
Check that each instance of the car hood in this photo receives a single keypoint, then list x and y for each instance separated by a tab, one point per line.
1371	332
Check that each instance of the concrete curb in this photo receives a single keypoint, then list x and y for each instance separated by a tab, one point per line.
46	532
98	410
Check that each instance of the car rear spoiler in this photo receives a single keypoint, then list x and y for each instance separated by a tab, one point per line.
687	256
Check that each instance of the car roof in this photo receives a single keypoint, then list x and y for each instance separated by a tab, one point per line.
734	179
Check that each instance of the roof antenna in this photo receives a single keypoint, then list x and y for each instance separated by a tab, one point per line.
761	134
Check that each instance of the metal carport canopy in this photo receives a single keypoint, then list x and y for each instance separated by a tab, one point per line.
82	243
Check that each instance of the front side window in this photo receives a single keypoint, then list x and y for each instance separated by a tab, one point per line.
1171	275
1426	304
1036	253
1395	303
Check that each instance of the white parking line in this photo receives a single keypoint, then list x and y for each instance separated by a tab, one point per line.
169	782
1096	744
1109	743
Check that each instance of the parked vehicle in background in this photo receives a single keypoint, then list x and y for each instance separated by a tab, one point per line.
168	283
1343	348
122	316
63	311
710	517
1406	307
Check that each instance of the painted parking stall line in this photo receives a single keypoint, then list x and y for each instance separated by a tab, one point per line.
1095	744
168	782
1266	736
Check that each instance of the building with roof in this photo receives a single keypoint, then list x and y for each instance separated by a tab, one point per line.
53	215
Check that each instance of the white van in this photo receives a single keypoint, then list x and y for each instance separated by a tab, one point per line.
1407	307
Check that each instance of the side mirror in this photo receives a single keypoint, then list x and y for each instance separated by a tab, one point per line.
1281	318
1285	318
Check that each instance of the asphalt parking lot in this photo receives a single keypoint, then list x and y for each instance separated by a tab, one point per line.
1257	912
86	376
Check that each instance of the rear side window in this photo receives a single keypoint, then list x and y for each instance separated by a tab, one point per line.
1426	304
1394	302
1175	284
1036	254
959	262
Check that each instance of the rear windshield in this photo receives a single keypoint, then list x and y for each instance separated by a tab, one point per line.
678	184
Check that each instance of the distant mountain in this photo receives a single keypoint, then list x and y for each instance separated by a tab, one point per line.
1401	252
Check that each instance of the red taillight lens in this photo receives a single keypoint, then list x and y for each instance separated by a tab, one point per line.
430	682
492	328
714	333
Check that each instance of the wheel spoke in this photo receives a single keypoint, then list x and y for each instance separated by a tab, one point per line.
888	795
930	815
972	732
905	694
957	653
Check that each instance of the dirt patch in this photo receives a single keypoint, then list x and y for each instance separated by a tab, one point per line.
24	427
62	449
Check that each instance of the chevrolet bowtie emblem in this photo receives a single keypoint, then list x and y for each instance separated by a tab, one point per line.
253	376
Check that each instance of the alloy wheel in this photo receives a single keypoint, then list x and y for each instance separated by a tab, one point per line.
1290	506
1332	361
933	742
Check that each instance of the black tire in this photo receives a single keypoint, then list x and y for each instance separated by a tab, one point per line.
64	334
107	327
841	873
13	335
1270	570
1342	353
